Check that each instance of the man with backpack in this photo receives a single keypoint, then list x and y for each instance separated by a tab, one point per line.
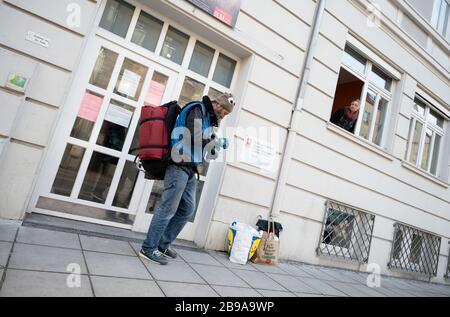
191	136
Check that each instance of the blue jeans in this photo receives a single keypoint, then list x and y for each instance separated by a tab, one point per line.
175	208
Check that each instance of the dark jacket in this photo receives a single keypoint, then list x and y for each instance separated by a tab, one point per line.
339	119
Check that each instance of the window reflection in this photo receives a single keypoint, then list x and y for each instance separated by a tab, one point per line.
68	170
192	90
98	178
131	79
126	185
175	45
147	31
201	59
223	74
101	74
115	126
367	114
87	115
117	17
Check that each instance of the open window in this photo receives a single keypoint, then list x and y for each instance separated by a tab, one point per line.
361	81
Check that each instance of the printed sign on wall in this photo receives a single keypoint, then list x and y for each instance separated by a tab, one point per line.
226	11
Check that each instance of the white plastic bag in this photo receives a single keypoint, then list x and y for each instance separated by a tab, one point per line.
243	236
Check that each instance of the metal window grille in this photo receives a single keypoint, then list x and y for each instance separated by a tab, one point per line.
414	250
346	233
447	274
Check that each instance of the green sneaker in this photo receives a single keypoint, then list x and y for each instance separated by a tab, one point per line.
170	253
155	256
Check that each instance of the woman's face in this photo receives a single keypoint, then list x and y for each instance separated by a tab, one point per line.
354	106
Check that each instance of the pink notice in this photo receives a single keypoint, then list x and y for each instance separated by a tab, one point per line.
155	94
90	107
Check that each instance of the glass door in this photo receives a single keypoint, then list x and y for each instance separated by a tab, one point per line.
95	178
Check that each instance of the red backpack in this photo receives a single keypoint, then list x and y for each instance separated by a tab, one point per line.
155	128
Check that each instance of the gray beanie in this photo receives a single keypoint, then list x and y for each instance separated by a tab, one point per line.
226	100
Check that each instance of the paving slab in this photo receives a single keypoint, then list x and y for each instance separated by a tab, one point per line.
259	280
215	275
123	287
5	250
222	257
90	243
173	289
293	269
174	271
274	269
116	265
43	284
229	291
198	257
48	238
8	231
293	284
270	293
348	289
42	258
322	286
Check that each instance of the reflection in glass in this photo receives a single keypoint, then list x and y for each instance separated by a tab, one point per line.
192	90
416	249
117	17
98	177
436	149
367	115
415	143
435	118
101	74
426	149
201	59
147	31
213	93
156	90
126	185
131	79
68	170
419	107
338	229
379	121
175	45
380	79
87	115
223	74
354	60
115	126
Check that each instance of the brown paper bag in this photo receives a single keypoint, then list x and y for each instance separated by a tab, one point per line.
268	249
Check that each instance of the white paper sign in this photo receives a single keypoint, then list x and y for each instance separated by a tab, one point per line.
118	115
129	83
258	153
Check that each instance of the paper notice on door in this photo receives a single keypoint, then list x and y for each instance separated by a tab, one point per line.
90	107
129	83
155	94
118	115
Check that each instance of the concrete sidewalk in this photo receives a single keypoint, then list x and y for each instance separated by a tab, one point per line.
38	262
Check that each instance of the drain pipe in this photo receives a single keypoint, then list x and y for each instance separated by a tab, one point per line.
297	106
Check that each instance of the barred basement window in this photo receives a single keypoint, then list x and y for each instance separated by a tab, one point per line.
346	233
414	250
447	274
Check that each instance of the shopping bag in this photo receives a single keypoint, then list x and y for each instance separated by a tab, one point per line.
268	249
243	240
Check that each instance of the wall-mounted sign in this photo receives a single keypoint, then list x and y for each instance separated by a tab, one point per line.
38	39
226	11
17	82
258	153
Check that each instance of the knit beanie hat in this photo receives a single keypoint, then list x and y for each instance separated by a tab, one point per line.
226	100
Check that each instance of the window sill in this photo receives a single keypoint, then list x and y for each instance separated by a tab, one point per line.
428	176
362	142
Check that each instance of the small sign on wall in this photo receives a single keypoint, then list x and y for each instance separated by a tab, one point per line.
38	39
17	82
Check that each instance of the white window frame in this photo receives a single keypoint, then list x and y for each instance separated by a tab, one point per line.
416	117
438	18
381	93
